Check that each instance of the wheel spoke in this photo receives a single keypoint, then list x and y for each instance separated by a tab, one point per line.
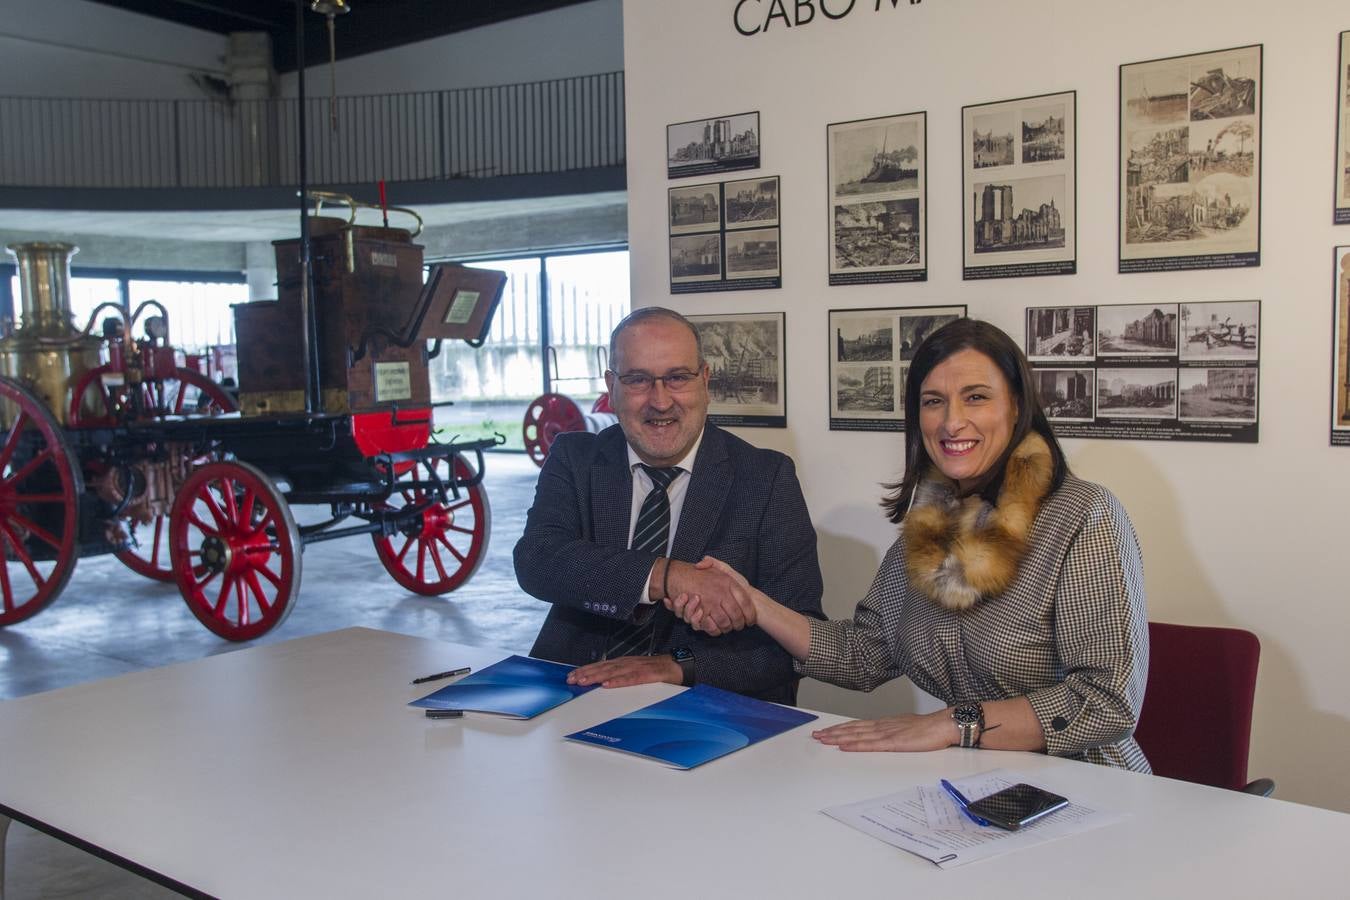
267	573
154	551
404	552
231	505
421	560
4	577
30	467
36	530
22	554
460	528
436	558
12	440
207	496
210	531
256	588
451	547
178	399
223	597
39	498
246	509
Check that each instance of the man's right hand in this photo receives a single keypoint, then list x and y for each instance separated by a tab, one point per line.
725	600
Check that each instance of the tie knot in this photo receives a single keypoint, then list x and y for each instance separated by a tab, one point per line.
660	477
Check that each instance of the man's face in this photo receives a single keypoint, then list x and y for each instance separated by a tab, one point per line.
660	424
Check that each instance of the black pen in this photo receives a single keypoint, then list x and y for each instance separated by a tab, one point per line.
444	713
439	675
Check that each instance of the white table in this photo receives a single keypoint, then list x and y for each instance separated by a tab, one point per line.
295	770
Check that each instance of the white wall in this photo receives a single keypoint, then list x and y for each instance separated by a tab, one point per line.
1247	536
585	39
73	48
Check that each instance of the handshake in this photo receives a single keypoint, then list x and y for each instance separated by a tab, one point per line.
712	596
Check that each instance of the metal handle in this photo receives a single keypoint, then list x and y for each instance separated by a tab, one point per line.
352	204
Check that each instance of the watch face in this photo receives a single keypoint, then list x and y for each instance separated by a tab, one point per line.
682	654
966	715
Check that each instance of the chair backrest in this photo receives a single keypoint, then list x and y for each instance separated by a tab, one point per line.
1197	717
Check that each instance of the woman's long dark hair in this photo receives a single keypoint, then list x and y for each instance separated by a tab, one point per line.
971	334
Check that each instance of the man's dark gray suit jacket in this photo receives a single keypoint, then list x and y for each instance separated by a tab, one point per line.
743	505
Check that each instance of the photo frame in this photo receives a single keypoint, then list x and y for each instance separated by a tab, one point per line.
713	145
1341	205
1020	173
870	351
1190	161
878	208
1340	349
746	356
725	236
1149	371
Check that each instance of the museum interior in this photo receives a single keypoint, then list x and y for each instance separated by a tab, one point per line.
1151	200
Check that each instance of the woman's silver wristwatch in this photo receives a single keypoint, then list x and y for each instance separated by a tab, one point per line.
969	719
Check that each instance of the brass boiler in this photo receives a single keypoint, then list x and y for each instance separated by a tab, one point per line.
46	352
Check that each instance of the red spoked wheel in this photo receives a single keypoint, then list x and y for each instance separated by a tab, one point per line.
235	550
97	402
188	391
548	416
40	487
601	404
439	549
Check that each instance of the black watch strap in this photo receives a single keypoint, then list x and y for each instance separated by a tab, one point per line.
684	657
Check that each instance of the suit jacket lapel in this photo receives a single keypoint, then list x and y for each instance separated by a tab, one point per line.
611	491
709	486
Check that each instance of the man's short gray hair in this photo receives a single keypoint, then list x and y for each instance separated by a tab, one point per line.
644	314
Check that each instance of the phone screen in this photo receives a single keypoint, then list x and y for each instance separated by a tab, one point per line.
1014	807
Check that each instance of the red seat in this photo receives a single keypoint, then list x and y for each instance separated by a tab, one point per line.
1197	717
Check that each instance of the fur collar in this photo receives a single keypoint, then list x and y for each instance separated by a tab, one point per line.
959	549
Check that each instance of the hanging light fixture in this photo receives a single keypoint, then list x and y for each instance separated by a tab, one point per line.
332	9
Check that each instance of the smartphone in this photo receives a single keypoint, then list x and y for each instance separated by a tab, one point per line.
1013	807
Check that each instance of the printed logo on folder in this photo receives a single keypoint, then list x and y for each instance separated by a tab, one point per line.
694	727
517	686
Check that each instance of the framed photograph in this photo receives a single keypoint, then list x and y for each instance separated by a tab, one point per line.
1061	333
748	381
1340	351
878	185
1341	215
752	203
697	207
1184	371
1021	187
1135	330
1067	394
1220	331
724	236
695	258
870	350
1190	162
709	146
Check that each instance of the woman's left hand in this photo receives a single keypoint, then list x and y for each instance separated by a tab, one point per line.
908	733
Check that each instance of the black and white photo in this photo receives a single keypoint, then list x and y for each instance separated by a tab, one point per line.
1190	161
1340	350
1020	177
745	355
752	202
708	146
1143	393
1341	213
695	257
752	253
1067	394
1061	332
695	207
878	178
869	357
1137	330
1227	394
1220	330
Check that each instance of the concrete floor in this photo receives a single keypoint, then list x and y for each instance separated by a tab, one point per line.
110	621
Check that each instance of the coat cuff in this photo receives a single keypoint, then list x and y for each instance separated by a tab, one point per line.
1057	708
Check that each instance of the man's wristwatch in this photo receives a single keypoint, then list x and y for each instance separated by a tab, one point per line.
684	657
969	719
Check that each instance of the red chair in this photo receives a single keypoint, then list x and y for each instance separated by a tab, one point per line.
1197	717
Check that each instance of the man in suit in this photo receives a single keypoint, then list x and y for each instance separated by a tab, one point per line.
621	517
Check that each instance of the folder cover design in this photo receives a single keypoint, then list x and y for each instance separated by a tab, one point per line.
694	726
517	686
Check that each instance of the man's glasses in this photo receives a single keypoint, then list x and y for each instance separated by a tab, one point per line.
675	382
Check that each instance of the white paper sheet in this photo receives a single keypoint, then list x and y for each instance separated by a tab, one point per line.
925	821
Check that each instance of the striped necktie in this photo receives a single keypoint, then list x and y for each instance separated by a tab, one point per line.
650	534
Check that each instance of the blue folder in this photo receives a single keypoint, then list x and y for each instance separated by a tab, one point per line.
517	686
694	726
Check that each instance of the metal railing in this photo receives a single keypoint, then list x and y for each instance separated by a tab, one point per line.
514	129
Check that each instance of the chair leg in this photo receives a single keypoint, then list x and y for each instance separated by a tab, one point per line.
4	835
1263	787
